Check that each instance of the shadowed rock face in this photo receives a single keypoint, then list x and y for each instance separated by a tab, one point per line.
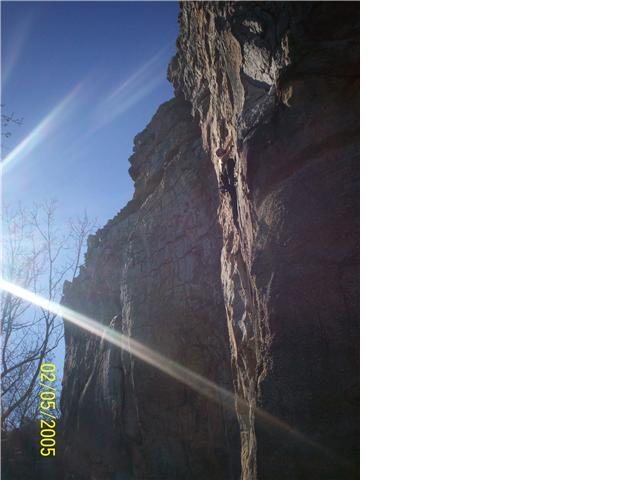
238	257
152	273
275	89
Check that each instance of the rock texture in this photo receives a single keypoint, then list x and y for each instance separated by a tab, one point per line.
152	273
279	84
238	257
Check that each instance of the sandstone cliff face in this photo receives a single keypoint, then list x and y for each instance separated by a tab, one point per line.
152	273
237	257
275	88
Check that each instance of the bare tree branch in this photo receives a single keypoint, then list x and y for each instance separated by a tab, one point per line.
38	255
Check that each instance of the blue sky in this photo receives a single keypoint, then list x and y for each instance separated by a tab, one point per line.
98	70
86	77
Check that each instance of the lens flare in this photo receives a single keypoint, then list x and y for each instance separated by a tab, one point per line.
131	91
141	75
42	130
14	47
175	370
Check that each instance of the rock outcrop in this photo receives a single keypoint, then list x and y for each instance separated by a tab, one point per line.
152	273
238	257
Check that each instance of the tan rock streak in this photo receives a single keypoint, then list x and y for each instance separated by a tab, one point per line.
153	274
237	258
275	90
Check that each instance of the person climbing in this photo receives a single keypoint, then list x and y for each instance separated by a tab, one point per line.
226	168
228	180
228	175
223	152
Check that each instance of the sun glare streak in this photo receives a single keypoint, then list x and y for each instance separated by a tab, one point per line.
140	74
14	47
41	131
131	91
110	110
175	370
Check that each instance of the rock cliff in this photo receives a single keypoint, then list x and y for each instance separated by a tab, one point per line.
152	273
238	257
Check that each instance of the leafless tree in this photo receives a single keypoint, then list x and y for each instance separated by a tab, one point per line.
7	120
38	255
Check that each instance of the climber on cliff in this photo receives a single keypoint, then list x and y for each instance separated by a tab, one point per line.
227	177
223	152
226	167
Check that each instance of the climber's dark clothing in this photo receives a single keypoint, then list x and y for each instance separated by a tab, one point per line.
223	151
228	185
228	176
